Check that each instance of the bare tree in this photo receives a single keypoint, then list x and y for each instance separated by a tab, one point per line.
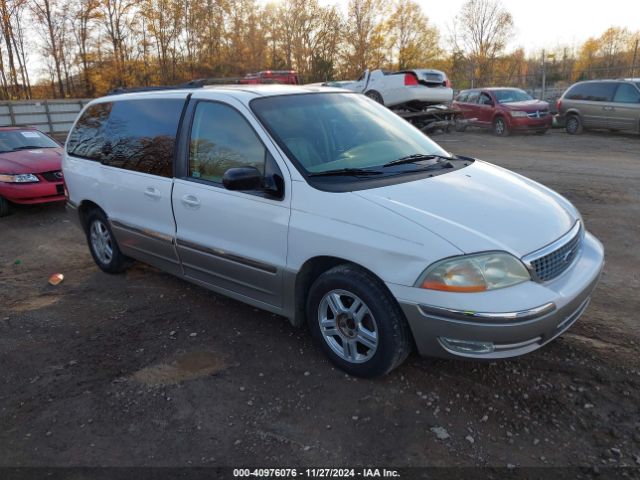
117	24
481	30
82	19
49	14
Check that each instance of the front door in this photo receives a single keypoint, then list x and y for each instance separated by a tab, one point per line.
485	109
232	241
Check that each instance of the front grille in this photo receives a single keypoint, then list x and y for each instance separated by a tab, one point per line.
551	264
54	176
538	114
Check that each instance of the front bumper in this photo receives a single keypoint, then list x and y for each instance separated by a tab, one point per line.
526	123
525	317
32	193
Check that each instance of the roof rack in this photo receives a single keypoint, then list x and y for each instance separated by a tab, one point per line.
198	83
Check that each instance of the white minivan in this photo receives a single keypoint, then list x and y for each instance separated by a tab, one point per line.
324	207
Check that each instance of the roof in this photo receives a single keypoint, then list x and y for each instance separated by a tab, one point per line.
247	91
491	89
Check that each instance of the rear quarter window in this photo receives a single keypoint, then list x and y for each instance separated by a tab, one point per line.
594	92
87	139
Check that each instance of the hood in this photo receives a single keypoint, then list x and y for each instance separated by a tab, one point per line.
31	161
481	207
527	105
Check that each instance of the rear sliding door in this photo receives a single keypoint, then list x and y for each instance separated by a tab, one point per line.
137	177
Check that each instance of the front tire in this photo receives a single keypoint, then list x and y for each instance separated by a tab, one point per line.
500	127
5	207
573	125
103	245
357	322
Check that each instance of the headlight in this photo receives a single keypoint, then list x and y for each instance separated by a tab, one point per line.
474	273
21	178
518	114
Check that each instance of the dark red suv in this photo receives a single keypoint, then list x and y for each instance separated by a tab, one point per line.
504	110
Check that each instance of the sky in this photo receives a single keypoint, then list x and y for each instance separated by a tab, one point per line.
541	23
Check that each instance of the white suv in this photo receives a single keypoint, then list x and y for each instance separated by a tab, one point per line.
325	207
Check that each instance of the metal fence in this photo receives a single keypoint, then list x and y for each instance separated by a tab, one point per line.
49	116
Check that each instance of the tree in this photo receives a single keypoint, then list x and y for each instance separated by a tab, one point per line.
413	42
51	14
481	30
364	36
82	19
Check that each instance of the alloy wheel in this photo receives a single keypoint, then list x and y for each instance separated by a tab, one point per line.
101	242
348	326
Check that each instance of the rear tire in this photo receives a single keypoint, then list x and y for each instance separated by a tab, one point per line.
357	322
103	245
500	127
5	207
573	125
375	96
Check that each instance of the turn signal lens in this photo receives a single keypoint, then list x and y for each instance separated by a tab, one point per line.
474	273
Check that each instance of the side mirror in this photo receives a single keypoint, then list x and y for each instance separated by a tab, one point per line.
242	178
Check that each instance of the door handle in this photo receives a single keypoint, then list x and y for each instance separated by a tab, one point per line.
191	201
152	192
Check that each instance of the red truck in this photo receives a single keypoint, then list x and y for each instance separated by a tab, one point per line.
287	77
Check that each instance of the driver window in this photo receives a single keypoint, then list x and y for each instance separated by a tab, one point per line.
221	138
473	97
485	99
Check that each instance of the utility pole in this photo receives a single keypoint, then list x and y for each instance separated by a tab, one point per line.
635	56
544	77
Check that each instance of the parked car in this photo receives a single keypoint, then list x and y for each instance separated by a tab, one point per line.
327	208
287	77
414	89
30	168
609	104
504	110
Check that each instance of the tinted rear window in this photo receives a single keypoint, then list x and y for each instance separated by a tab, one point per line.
595	92
134	135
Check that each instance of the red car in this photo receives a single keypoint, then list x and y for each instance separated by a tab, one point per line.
30	168
504	110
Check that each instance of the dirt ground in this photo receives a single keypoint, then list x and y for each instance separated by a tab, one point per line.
144	369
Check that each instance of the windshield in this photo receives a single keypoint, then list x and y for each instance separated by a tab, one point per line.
332	131
12	140
511	95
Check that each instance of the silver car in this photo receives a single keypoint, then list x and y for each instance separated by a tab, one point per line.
604	104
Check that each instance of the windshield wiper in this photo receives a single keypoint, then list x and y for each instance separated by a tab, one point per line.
345	171
416	157
28	147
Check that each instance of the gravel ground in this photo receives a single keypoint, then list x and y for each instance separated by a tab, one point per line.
144	369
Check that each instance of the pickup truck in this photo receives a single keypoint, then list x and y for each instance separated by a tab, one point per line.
413	89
